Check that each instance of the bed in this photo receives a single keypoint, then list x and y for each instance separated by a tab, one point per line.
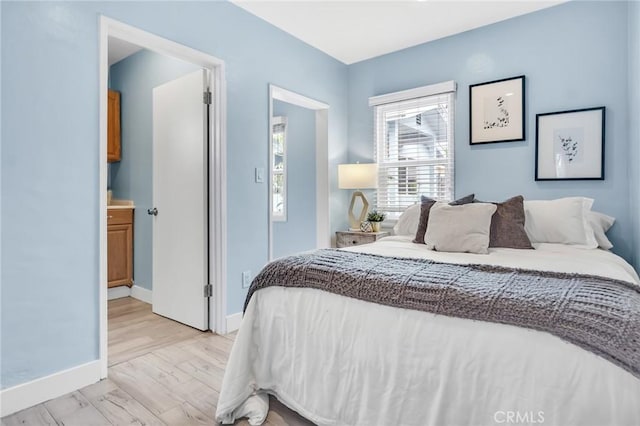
339	360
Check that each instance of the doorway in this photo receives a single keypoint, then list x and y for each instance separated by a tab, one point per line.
213	175
311	117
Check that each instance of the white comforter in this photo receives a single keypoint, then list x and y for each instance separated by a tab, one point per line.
339	361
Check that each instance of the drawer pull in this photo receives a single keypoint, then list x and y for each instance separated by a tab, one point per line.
354	242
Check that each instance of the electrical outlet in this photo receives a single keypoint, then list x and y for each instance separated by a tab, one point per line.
246	279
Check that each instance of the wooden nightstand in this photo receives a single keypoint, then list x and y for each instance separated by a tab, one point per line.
355	238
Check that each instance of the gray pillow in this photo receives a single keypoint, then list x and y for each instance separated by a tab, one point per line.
425	207
507	225
460	229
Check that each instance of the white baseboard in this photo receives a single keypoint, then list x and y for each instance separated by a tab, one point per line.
141	293
118	292
233	322
40	390
136	292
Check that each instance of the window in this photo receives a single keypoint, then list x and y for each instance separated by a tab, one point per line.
414	146
279	169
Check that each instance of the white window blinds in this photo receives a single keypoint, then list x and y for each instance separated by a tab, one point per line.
414	149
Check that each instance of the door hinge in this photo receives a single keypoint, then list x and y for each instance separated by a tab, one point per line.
208	290
206	97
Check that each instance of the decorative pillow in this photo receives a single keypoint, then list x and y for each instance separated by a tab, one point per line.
507	225
460	229
407	223
425	207
601	223
563	221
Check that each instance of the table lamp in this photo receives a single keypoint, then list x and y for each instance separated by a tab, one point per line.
357	176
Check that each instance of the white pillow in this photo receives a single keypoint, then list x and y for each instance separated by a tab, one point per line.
601	223
459	229
563	221
408	221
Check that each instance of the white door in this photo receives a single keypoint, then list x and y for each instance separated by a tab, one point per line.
180	269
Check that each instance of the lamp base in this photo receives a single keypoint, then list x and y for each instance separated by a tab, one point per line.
354	222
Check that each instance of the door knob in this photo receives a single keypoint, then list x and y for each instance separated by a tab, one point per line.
152	212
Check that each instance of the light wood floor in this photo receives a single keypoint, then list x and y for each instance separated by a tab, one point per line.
160	373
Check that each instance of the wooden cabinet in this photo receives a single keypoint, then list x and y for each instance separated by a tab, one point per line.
120	247
356	238
113	127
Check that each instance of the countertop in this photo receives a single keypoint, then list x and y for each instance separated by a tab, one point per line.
121	204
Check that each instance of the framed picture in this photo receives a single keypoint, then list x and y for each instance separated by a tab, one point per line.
496	111
570	145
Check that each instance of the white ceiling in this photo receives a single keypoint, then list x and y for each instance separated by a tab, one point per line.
120	49
352	31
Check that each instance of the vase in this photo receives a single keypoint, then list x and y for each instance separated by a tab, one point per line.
366	227
375	226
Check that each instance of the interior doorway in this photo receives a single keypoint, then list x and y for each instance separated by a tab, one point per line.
281	99
212	179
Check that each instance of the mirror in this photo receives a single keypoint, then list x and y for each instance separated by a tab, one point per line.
298	171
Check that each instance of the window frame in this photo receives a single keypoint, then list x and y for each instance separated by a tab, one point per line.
392	102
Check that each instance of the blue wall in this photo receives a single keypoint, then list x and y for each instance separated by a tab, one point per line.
298	233
132	178
50	162
573	55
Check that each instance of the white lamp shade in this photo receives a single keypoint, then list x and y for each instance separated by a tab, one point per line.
358	176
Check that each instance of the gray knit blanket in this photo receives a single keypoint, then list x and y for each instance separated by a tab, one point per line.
599	314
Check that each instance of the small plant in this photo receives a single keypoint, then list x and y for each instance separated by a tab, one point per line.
375	216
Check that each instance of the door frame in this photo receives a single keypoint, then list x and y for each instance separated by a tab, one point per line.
323	235
217	163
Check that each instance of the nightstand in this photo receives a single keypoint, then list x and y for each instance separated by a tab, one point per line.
355	238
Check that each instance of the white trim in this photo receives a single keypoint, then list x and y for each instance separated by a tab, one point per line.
418	92
102	198
234	321
28	394
323	237
294	98
218	201
136	292
323	213
270	178
158	44
118	292
217	164
141	294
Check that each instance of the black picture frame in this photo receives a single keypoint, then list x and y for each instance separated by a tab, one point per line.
490	105
570	145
